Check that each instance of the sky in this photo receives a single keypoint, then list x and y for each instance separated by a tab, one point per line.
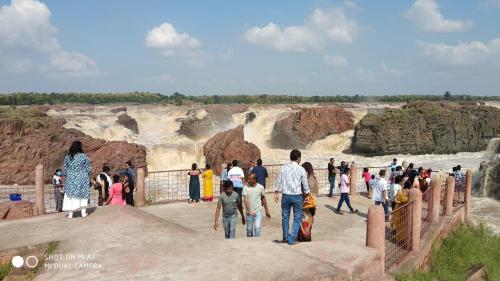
319	47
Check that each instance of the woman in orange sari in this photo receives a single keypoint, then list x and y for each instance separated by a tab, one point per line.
208	193
399	226
309	208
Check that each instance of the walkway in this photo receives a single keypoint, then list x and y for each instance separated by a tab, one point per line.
177	242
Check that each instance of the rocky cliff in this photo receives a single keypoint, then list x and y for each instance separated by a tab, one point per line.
425	127
205	121
489	171
302	128
29	137
227	146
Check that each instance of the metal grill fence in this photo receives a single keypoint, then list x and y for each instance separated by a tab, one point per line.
28	193
426	211
398	234
172	186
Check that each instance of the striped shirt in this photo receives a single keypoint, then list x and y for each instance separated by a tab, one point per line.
291	179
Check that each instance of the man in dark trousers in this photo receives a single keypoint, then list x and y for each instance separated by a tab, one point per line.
261	173
331	175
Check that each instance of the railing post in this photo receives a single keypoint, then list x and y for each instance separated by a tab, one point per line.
436	197
416	197
353	179
140	200
450	193
468	193
40	201
375	232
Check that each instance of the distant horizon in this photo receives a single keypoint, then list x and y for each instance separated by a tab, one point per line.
296	48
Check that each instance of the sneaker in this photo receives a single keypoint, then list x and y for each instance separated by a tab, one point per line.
354	211
284	241
339	213
293	243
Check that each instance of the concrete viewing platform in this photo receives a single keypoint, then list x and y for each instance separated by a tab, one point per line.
177	242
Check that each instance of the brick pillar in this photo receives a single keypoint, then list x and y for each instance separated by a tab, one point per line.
468	193
436	197
375	232
416	197
450	193
40	201
353	179
140	195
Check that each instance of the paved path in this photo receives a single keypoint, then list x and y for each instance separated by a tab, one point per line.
177	242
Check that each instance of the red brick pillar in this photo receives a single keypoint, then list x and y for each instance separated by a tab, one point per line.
353	179
436	197
375	232
468	193
40	201
140	196
416	197
450	193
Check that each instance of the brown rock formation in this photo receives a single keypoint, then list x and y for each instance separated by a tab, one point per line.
29	137
227	146
302	128
219	116
128	122
426	127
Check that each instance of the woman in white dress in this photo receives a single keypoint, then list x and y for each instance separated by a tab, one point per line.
76	171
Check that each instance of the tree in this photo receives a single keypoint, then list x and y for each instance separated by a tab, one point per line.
447	95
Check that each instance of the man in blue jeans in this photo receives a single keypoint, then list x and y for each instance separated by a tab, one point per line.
331	176
292	183
229	201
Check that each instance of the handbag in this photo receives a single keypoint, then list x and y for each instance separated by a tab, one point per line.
309	202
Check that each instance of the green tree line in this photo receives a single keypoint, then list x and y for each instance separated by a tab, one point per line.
179	99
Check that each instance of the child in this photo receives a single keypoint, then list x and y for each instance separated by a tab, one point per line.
230	202
57	182
366	176
116	193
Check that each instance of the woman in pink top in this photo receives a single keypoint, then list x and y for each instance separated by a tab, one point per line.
344	192
116	193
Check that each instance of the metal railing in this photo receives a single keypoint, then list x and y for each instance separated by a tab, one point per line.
426	211
172	186
398	234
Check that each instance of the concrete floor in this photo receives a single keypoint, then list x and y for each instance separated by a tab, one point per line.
178	242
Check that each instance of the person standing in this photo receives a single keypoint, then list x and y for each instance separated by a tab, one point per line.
58	184
261	173
392	164
228	200
116	193
208	193
311	178
253	164
393	191
367	177
291	182
380	192
223	176
344	192
236	176
129	169
102	185
254	198
194	184
331	176
76	173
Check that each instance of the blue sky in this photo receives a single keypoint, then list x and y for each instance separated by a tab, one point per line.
251	47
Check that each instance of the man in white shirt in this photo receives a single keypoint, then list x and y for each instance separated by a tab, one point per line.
236	176
292	183
380	191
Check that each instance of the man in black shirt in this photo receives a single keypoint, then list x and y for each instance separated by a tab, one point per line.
331	175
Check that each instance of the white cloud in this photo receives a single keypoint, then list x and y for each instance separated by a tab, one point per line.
462	54
427	17
73	64
29	39
226	55
171	43
164	79
335	60
322	27
352	5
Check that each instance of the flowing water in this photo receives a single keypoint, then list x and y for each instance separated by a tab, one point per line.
168	150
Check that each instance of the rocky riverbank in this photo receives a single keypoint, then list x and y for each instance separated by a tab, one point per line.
29	137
